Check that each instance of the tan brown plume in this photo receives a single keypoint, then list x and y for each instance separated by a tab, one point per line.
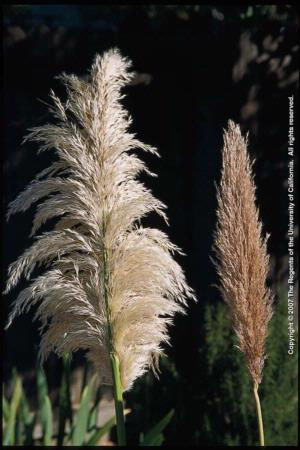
241	251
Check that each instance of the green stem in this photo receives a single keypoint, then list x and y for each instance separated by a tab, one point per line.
118	395
114	360
259	416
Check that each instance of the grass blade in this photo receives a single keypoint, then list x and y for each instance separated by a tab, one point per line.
42	386
9	435
5	408
84	378
155	436
45	410
65	405
18	426
81	421
28	420
93	416
95	438
47	418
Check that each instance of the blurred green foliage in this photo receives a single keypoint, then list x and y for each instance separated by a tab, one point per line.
184	12
215	405
23	425
155	437
230	417
224	397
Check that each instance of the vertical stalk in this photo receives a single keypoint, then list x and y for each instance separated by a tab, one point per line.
118	395
65	403
114	360
259	416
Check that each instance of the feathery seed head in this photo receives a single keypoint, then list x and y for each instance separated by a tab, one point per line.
242	259
110	284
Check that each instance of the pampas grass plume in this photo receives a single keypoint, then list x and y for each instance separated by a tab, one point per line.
242	259
110	284
241	251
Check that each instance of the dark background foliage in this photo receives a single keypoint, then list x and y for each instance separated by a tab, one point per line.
198	67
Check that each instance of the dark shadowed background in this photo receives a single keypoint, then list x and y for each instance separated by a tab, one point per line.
198	66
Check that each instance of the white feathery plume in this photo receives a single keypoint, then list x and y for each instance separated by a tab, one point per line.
109	281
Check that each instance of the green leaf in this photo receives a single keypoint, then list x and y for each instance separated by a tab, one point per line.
92	420
155	436
28	420
249	12
67	358
25	412
47	418
45	409
94	413
81	421
65	405
84	378
42	386
157	440
5	408
18	428
9	435
95	438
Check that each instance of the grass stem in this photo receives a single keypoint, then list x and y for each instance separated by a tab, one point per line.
259	416
118	396
115	365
